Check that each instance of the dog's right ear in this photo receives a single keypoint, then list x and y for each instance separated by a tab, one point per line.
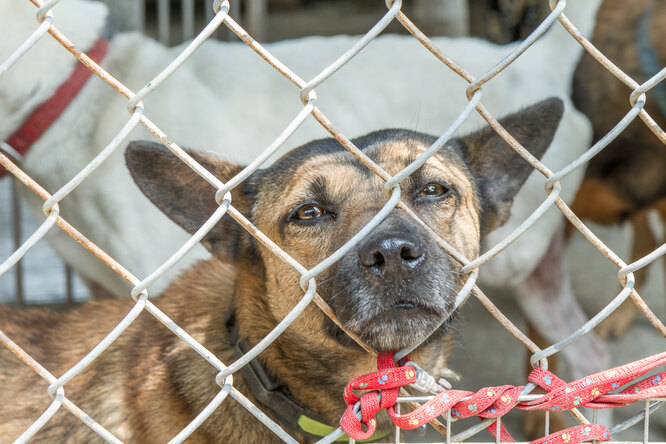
187	198
498	170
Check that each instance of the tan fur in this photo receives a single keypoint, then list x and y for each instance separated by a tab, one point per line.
597	201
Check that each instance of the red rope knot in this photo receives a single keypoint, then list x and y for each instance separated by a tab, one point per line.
382	388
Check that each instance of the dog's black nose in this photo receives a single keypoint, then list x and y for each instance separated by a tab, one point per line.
392	254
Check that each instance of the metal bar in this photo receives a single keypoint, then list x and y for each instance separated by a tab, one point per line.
646	422
69	284
164	21
187	8
256	18
397	429
16	234
140	13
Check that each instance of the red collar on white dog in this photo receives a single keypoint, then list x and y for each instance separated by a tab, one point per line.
40	120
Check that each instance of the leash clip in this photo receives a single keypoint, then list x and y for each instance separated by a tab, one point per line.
426	383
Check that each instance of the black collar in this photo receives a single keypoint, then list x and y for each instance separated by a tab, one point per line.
275	396
268	390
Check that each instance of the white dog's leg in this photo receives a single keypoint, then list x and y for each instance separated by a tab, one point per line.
547	299
548	302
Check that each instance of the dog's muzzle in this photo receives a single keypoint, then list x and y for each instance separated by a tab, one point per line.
395	287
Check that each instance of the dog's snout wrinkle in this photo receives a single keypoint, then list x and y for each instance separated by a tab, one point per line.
392	254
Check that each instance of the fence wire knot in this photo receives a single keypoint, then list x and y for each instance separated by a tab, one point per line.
382	388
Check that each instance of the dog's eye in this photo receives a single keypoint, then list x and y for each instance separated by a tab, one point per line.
309	212
433	190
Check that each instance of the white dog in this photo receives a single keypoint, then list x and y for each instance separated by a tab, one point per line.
227	100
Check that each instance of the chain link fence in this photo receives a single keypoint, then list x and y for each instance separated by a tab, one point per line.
46	27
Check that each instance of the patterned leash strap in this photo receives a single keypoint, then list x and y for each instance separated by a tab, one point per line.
380	391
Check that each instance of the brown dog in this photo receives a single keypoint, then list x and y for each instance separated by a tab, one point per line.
628	178
393	288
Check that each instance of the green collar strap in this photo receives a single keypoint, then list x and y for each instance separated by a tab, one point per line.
317	428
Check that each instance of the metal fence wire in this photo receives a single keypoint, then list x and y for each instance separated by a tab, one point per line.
46	27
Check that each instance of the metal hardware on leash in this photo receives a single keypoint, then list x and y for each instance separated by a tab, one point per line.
425	382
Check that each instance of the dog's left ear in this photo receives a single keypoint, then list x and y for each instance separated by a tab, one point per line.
187	198
498	170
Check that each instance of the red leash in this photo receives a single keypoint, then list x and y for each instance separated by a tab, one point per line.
44	116
383	385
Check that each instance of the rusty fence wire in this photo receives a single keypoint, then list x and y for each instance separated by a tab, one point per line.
46	26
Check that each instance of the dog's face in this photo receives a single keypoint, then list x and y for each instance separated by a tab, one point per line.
396	285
